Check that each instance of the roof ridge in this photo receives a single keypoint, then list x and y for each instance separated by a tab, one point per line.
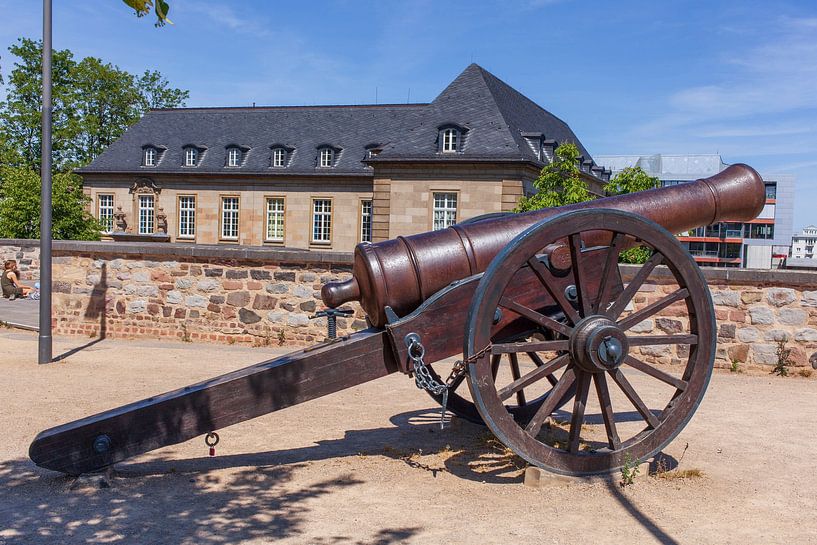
294	107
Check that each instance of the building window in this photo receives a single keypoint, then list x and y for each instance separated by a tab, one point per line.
760	230
150	157
445	210
322	221
275	219
365	221
229	218
327	156
191	156
771	191
233	157
451	140
279	157
187	216
146	215
105	212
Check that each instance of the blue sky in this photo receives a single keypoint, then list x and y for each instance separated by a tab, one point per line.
734	77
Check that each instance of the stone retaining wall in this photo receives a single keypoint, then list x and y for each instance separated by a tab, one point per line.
265	297
193	293
755	310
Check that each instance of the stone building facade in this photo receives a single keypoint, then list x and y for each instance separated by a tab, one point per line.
326	177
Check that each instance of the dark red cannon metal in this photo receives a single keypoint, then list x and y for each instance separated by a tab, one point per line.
539	308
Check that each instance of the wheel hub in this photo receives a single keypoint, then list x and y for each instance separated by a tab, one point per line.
598	344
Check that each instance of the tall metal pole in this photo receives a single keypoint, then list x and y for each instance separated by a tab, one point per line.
44	347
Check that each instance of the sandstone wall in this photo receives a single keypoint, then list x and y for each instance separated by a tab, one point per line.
265	296
754	310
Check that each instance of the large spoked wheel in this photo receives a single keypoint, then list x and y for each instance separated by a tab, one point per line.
623	353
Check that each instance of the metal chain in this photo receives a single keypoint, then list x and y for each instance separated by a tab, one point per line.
424	380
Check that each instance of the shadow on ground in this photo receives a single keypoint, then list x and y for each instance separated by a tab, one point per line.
251	499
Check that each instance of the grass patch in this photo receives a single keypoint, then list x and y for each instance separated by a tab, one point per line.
680	474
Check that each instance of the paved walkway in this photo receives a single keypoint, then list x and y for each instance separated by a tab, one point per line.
23	313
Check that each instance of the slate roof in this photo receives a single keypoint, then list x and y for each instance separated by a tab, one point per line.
494	115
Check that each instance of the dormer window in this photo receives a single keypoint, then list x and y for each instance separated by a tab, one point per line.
450	140
279	157
326	157
233	157
149	157
191	157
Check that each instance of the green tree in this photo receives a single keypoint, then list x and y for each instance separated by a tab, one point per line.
94	103
559	183
20	206
630	180
20	121
143	7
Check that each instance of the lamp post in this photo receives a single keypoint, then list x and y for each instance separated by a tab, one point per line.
44	352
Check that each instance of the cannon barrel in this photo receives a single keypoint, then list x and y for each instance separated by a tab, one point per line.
405	271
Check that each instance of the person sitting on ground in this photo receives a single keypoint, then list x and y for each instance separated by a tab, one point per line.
10	281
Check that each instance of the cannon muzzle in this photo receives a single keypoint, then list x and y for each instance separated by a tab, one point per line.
403	272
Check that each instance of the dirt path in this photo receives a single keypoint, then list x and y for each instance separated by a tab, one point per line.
370	465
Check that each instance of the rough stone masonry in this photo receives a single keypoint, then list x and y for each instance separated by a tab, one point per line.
266	297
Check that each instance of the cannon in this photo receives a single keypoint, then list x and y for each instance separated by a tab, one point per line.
537	306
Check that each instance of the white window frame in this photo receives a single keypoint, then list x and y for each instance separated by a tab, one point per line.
327	157
444	211
187	216
366	220
279	157
147	214
150	157
321	220
230	210
191	157
233	157
275	218
105	211
451	140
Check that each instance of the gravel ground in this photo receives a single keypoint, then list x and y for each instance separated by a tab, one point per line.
370	465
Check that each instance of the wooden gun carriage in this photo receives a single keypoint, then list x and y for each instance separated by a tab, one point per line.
540	311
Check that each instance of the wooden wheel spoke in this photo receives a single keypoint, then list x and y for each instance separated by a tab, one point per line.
618	307
634	398
549	405
544	274
515	374
650	340
607	411
655	373
641	315
579	405
495	361
535	317
537	374
579	274
535	346
609	264
539	363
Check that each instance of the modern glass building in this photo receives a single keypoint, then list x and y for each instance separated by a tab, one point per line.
759	244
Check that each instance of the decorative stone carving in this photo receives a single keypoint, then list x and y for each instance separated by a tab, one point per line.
120	224
161	221
145	185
